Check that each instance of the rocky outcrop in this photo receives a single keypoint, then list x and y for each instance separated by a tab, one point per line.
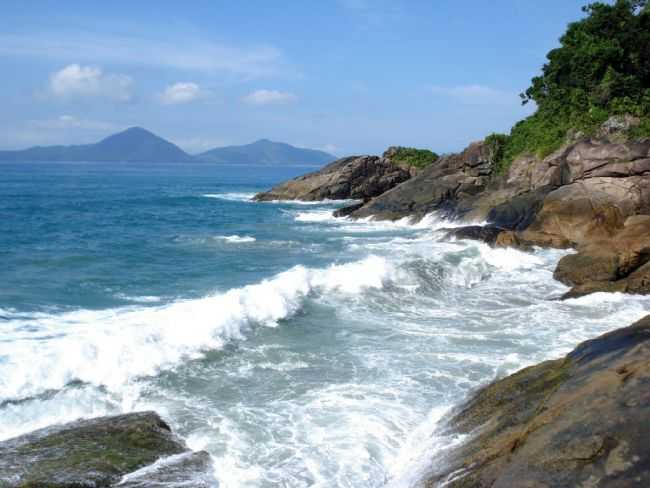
100	452
444	185
620	263
584	190
356	177
583	193
580	421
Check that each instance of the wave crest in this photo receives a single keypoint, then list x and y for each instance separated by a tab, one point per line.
113	347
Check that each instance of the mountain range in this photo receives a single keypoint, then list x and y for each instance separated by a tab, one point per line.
140	145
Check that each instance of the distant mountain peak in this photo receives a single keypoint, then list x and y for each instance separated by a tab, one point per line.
137	144
134	144
266	152
136	130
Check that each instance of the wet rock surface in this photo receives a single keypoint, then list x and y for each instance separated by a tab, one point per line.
580	421
99	452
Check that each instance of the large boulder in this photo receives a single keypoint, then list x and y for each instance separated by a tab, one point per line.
356	177
578	421
99	452
621	263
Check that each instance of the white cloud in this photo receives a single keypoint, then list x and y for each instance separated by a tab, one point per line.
331	148
64	122
182	92
191	54
475	94
90	81
269	97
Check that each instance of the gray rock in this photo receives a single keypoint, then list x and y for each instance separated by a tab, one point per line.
356	177
91	453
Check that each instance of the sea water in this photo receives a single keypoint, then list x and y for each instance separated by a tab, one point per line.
298	349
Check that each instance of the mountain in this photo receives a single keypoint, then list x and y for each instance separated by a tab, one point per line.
139	145
265	152
132	145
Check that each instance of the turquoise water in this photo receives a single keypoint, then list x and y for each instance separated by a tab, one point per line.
300	350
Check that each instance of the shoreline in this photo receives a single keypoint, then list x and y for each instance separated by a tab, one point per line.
441	426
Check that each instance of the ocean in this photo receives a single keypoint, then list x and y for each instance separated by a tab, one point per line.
298	349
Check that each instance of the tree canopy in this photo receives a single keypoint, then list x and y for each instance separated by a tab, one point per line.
601	68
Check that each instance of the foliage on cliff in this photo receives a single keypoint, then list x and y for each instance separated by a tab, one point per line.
601	68
420	158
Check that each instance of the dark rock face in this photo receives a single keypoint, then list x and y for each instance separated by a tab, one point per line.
98	453
356	177
441	186
485	233
520	211
577	421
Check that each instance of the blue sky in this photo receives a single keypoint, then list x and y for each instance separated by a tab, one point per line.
347	76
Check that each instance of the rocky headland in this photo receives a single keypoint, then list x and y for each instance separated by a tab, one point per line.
592	194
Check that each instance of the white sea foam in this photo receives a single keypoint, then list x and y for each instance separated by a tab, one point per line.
324	202
369	224
235	239
351	397
139	299
232	196
144	475
113	347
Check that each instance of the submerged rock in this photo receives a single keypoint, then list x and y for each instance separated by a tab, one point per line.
485	233
182	470
581	421
98	453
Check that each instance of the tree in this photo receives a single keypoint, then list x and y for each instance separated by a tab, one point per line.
601	68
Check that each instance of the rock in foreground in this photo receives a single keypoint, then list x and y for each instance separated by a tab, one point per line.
100	452
581	421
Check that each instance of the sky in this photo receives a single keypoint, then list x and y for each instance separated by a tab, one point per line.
345	76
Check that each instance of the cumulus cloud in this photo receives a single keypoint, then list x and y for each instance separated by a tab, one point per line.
72	122
182	92
76	80
269	97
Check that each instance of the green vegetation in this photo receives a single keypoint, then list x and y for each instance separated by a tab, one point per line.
420	158
601	68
